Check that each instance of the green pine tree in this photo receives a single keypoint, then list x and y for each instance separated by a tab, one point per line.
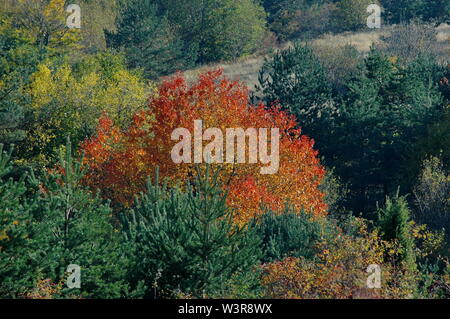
394	220
386	110
186	241
17	264
73	226
18	60
287	234
296	80
48	224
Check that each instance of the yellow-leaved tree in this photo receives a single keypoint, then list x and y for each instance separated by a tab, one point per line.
68	100
43	22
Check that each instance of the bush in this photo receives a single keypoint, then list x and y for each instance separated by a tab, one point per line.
338	272
351	15
303	22
335	192
343	255
68	100
287	235
432	197
340	64
408	41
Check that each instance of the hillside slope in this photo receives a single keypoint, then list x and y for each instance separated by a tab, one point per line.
246	69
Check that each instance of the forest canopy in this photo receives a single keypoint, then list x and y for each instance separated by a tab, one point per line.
94	95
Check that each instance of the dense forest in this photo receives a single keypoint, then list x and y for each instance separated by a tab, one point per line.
93	205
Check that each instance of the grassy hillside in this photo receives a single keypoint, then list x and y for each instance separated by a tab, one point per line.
246	69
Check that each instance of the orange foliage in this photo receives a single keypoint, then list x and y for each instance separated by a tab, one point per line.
45	289
340	271
121	161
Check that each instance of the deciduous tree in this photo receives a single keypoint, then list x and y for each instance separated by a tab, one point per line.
120	162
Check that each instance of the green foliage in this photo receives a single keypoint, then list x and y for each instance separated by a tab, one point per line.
405	10
186	241
66	100
148	41
241	32
96	17
438	10
335	192
435	143
18	59
43	22
287	235
432	195
351	15
433	283
394	221
386	111
17	271
374	122
369	132
64	217
299	19
214	30
445	85
55	225
296	80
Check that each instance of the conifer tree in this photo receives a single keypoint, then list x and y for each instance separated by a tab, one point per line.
287	235
73	226
394	220
385	111
186	241
296	80
18	60
17	269
47	225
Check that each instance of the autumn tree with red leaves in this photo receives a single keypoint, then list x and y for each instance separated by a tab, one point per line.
120	161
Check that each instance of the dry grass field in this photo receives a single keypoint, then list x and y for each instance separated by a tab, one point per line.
246	69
